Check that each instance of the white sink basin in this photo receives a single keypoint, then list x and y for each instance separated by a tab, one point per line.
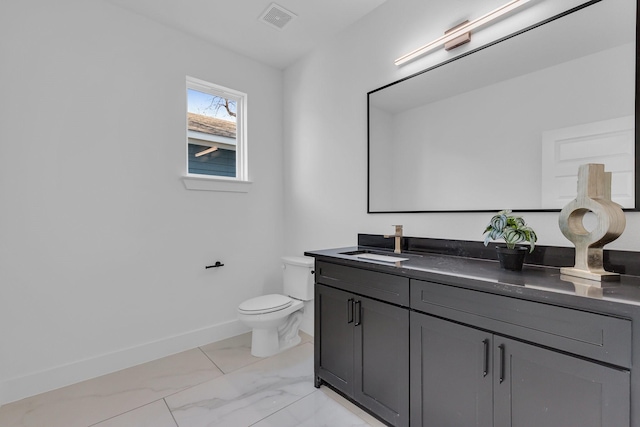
383	258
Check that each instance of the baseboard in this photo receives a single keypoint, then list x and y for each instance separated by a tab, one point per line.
39	382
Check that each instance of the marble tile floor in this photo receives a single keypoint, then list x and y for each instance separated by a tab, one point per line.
219	384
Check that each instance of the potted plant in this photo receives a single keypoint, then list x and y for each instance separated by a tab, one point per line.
513	230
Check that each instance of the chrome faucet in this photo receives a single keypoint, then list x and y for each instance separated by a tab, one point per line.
398	237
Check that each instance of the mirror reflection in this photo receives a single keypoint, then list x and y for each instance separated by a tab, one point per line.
507	126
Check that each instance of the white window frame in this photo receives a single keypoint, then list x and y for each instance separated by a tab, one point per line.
241	182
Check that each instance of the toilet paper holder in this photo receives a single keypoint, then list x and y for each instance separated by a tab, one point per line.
216	265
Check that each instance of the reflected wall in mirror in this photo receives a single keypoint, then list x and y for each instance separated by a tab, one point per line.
507	125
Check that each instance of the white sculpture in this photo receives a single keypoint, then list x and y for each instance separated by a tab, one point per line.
594	195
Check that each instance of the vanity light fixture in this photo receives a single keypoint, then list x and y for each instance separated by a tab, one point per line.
460	31
207	151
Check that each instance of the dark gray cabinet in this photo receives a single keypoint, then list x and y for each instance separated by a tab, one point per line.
362	350
422	353
451	374
539	387
334	335
381	360
463	376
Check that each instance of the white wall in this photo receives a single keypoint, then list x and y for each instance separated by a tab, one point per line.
102	249
326	125
382	160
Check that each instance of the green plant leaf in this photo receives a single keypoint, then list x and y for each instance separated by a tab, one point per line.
499	222
512	228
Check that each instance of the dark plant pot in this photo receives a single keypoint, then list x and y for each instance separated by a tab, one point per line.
511	259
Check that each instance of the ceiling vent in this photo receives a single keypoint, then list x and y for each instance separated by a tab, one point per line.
277	16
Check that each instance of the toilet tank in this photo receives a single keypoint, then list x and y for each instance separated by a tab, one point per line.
298	277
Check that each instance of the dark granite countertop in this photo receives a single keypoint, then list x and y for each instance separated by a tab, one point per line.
534	282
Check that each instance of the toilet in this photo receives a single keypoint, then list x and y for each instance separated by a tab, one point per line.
275	318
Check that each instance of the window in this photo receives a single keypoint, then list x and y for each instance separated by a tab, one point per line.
216	135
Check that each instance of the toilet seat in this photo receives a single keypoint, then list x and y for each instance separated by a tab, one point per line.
265	304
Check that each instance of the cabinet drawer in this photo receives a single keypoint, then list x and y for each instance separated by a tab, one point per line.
591	335
381	286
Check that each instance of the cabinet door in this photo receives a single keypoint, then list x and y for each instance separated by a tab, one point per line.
451	374
536	387
381	359
334	337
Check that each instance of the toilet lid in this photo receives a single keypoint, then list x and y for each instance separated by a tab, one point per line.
265	304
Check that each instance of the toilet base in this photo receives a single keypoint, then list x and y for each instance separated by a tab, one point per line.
265	342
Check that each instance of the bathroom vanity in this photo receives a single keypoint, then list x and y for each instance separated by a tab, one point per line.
446	338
